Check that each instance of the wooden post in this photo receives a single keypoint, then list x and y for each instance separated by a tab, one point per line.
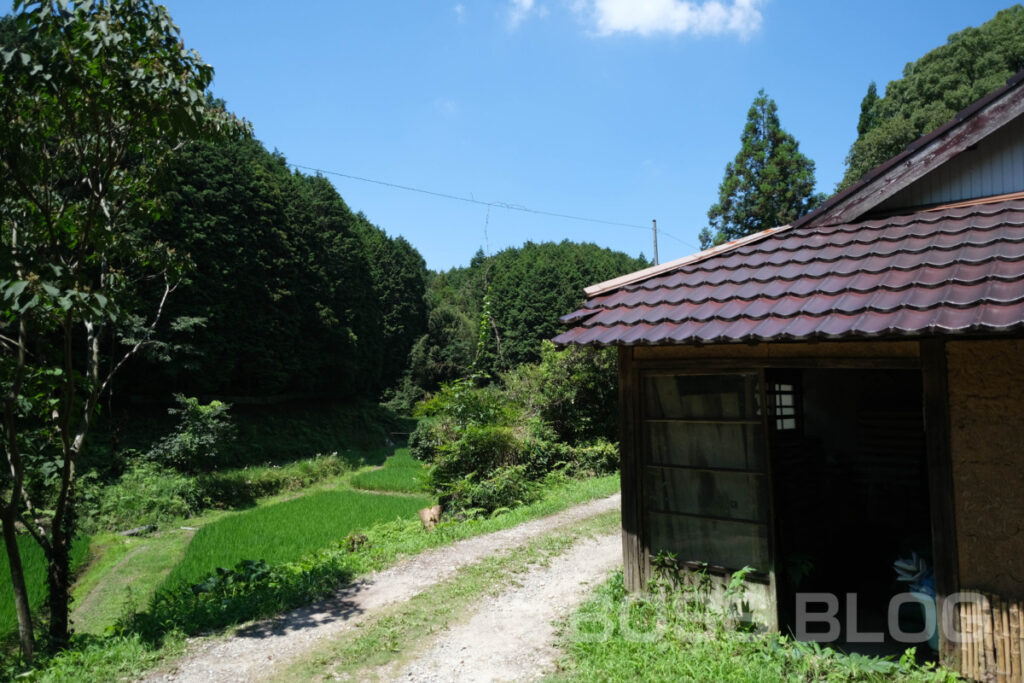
940	486
630	473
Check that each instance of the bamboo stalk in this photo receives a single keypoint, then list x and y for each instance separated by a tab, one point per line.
967	639
988	645
978	638
974	609
1007	661
1015	669
1002	653
997	640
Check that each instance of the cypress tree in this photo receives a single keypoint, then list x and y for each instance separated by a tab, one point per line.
769	183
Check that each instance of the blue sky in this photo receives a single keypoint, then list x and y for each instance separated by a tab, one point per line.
619	110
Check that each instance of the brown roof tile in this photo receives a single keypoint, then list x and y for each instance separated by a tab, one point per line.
955	271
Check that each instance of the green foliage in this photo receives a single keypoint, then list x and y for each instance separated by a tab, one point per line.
489	445
574	390
768	184
147	493
35	577
268	533
972	63
401	473
199	439
291	291
505	487
465	404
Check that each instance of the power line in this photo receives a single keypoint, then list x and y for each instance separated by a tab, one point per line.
500	205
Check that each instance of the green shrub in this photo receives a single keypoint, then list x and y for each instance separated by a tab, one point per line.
600	457
574	390
146	493
466	404
479	449
430	434
506	487
198	441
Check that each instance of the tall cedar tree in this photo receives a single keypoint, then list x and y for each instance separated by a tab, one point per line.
769	183
933	89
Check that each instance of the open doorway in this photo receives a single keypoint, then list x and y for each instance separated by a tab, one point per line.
850	495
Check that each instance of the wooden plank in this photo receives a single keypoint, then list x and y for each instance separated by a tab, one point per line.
632	549
940	483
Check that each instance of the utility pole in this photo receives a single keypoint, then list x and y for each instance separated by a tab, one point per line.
654	227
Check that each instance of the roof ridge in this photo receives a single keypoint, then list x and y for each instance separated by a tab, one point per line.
632	278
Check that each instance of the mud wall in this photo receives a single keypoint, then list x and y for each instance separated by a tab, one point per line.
986	411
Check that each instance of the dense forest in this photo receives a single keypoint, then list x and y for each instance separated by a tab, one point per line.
289	292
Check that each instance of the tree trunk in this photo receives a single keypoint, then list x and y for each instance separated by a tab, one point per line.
21	607
58	577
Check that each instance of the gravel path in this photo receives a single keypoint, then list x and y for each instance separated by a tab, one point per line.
511	637
257	650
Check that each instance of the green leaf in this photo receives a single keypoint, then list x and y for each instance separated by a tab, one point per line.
15	289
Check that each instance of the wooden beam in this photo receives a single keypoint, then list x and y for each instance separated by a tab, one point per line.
633	558
940	484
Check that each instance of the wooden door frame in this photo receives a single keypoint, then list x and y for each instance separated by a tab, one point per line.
931	364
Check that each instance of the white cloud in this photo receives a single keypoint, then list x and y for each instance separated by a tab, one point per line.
518	11
674	17
460	12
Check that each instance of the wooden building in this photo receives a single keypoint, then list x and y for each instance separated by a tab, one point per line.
821	399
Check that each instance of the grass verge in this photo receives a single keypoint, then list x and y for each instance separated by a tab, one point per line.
401	473
388	636
669	636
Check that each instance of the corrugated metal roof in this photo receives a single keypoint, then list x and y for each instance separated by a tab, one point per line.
950	271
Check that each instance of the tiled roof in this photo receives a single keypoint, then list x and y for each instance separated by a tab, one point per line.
938	272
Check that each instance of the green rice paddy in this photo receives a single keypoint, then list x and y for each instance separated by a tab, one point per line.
286	531
401	473
34	566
